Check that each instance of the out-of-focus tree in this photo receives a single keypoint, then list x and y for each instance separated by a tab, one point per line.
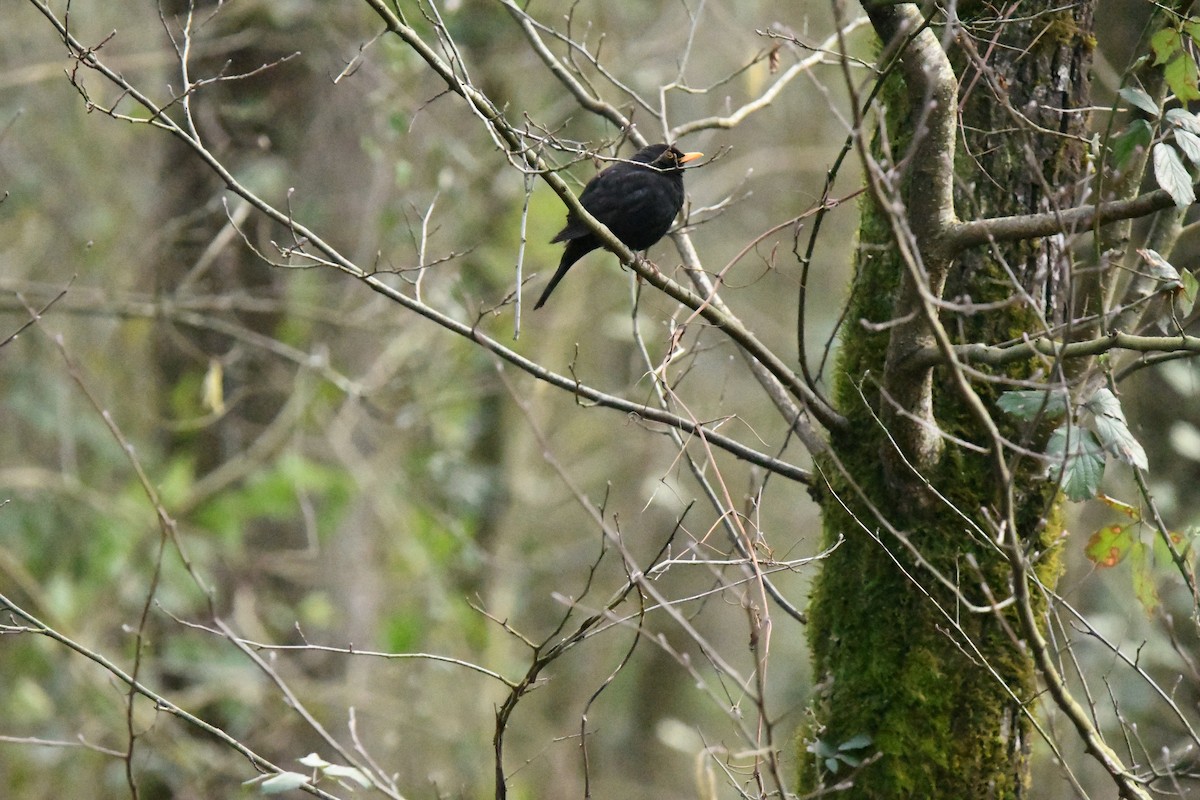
293	468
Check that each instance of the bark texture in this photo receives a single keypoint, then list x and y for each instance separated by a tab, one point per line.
942	691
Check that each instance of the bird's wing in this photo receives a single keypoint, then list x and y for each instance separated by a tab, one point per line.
602	197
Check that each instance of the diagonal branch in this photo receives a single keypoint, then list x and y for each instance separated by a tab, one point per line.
714	314
333	258
775	388
738	115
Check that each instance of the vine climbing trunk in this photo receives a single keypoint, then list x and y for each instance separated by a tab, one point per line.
910	653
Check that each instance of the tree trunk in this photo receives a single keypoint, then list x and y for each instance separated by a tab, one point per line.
941	690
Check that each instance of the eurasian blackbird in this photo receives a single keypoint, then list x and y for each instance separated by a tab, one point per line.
637	200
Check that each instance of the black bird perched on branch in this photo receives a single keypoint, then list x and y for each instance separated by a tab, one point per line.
637	200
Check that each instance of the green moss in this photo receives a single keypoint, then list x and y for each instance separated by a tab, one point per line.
896	671
898	657
1061	30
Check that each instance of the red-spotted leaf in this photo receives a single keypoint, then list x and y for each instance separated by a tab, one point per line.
1121	508
1108	546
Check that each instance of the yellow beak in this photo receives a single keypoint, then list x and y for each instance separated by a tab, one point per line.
690	157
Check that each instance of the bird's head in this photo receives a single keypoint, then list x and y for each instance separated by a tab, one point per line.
665	157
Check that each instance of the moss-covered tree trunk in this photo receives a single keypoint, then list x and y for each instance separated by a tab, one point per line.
942	690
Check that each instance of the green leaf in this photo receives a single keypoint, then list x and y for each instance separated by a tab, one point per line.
822	749
1138	98
1172	176
1185	296
353	773
1189	143
1191	287
834	757
1139	134
855	742
1108	546
1182	542
1160	269
1113	431
283	782
1077	460
314	761
1029	403
1191	29
1182	118
1182	75
1165	44
1125	509
1145	587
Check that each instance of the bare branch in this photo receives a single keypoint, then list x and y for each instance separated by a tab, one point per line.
772	92
973	233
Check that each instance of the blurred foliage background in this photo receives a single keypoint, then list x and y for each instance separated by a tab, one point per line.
345	473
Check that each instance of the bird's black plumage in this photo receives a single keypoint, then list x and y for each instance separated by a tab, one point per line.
637	200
